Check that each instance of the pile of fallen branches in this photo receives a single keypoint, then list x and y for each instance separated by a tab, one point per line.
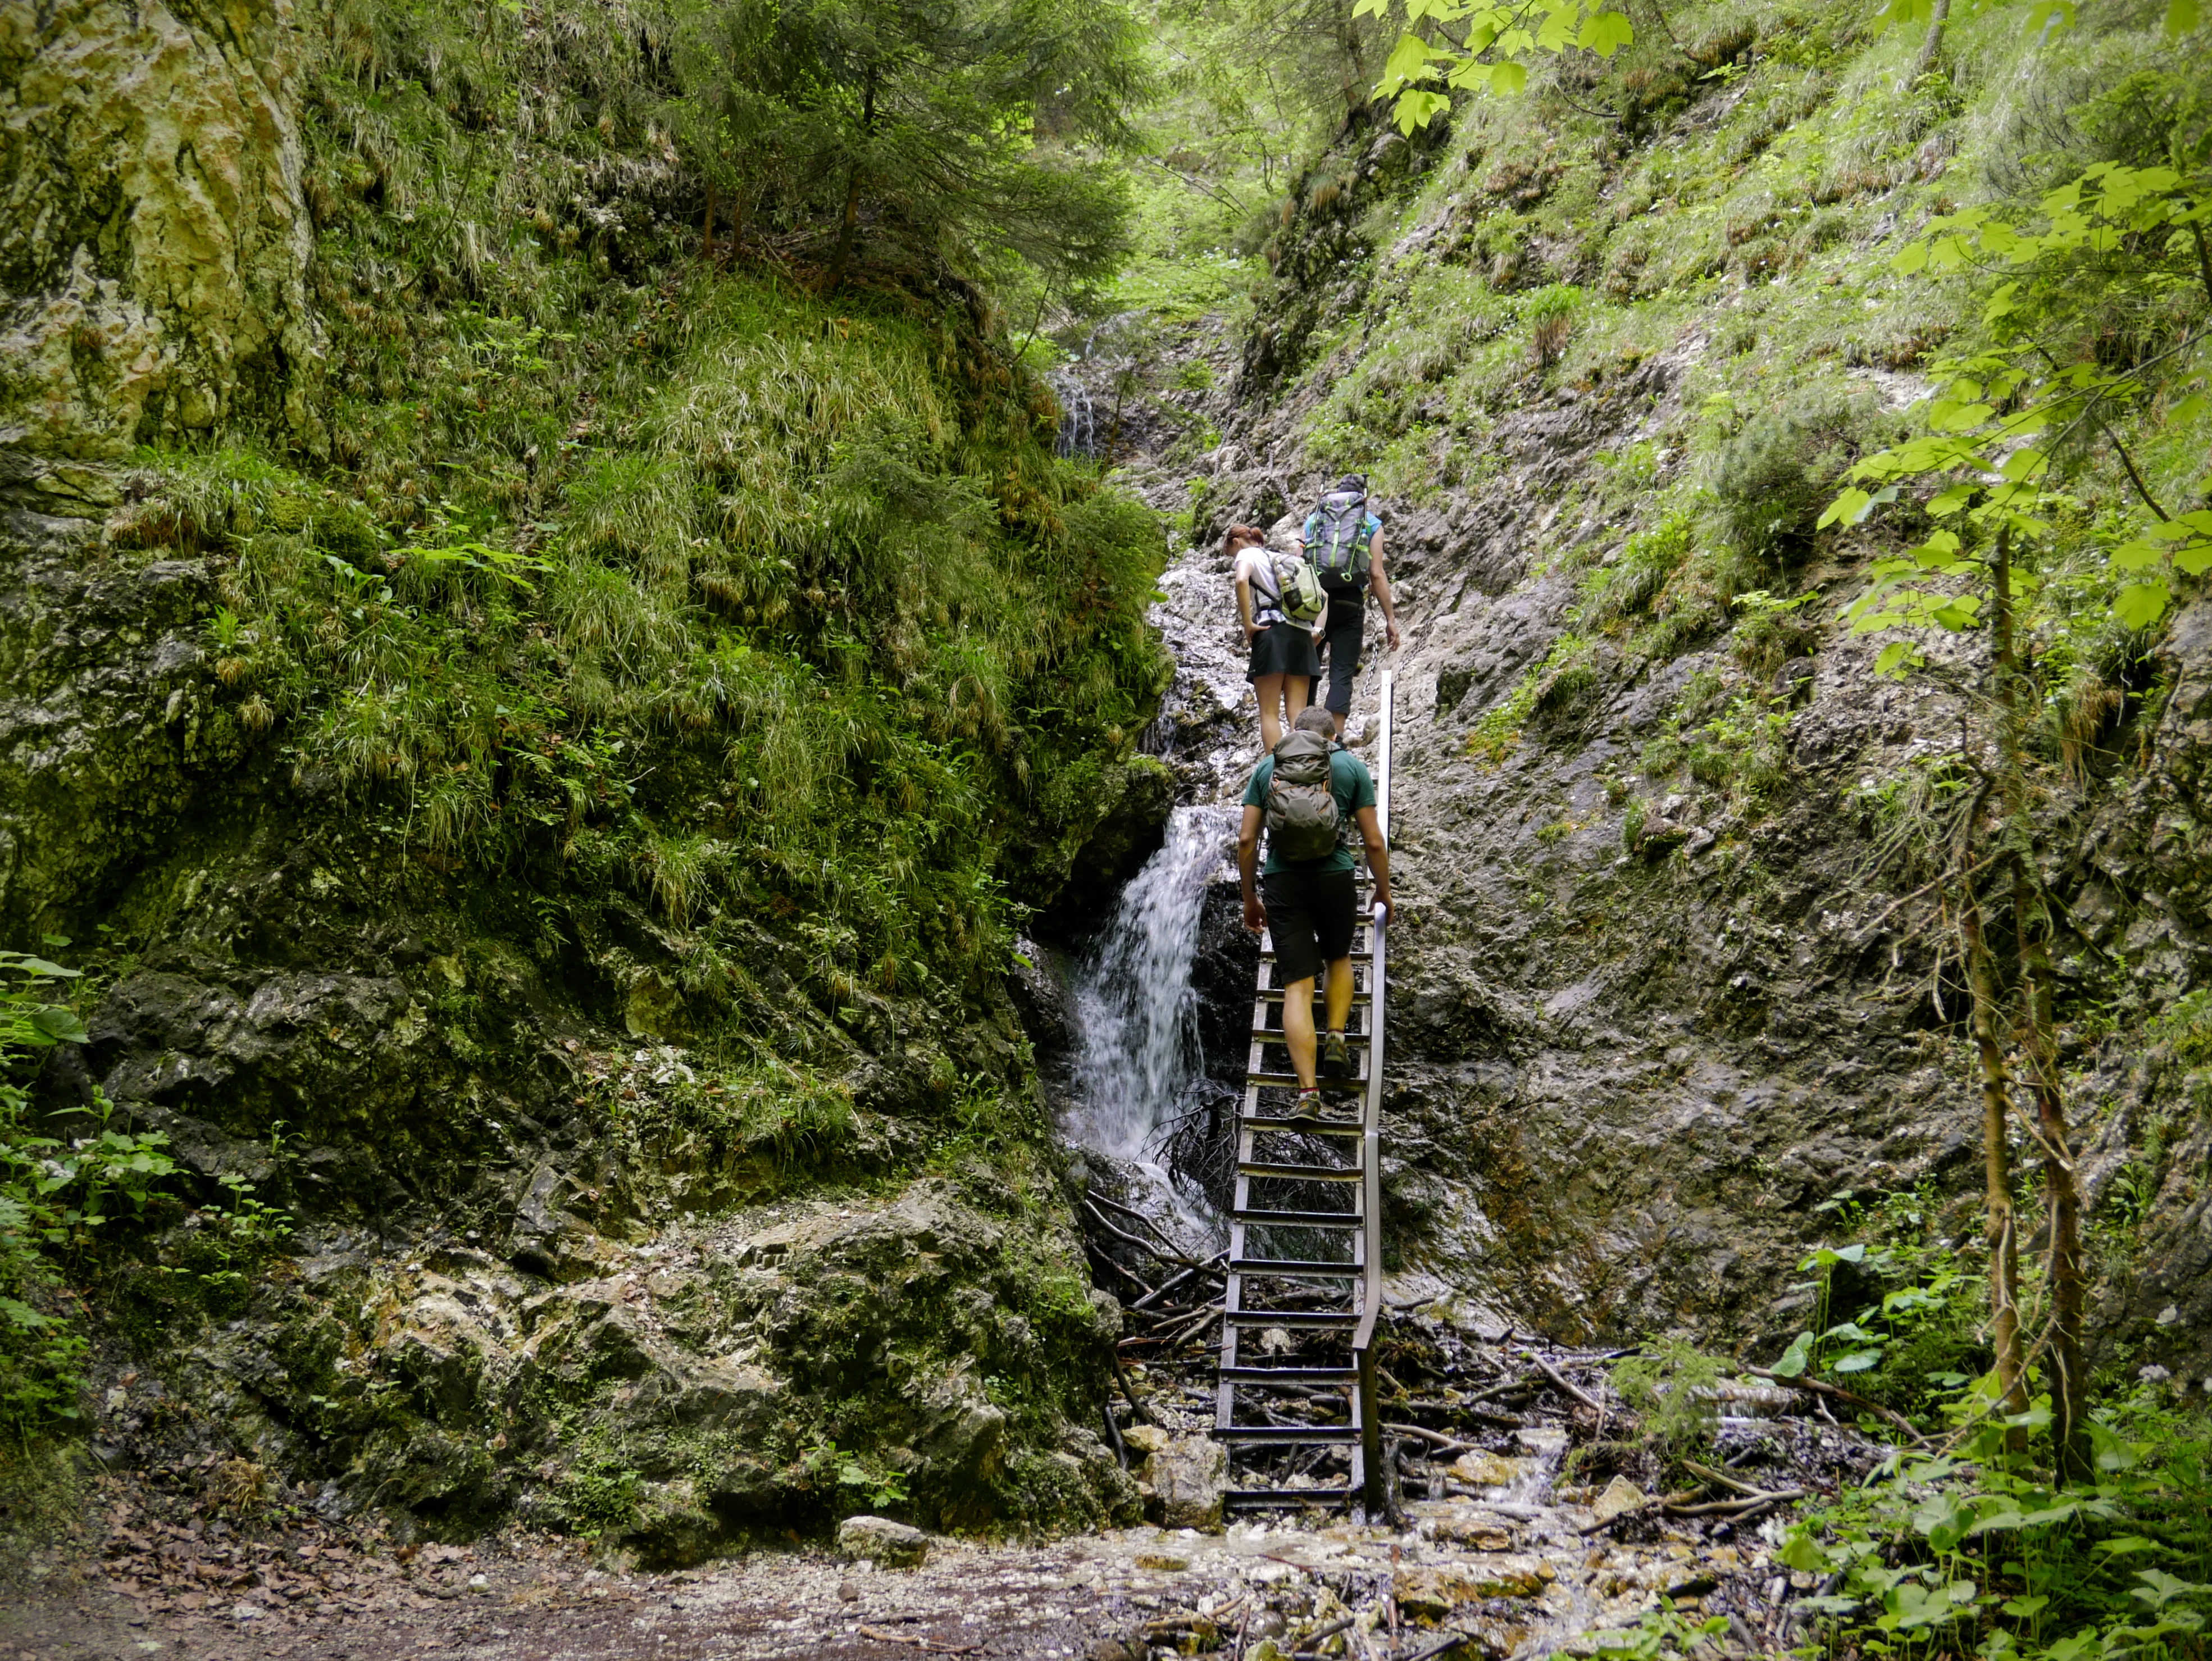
1170	1301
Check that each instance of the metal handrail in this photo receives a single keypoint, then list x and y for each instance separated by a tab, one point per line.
1373	1477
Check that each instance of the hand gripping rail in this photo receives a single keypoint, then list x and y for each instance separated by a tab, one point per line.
1301	1275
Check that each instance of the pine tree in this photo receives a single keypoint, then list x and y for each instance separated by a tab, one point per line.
970	133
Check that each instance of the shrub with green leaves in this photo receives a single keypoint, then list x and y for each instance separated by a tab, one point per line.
55	1197
1975	1551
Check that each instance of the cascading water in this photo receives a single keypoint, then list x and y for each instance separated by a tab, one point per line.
1078	426
1136	1013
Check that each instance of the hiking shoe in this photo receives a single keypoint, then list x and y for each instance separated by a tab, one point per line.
1336	1061
1308	1111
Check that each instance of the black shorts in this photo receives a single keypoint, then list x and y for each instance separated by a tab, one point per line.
1311	918
1284	648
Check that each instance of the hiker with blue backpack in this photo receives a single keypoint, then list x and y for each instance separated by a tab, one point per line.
1342	539
1309	794
1281	607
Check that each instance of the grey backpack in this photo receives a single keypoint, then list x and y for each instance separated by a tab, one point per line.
1301	816
1339	550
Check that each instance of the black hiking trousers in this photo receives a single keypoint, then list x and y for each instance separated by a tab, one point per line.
1341	640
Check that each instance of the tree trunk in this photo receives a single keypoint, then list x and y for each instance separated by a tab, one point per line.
2069	1383
1932	47
849	225
847	231
706	238
1996	1158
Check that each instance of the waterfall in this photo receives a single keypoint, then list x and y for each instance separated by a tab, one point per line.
1135	1012
1079	427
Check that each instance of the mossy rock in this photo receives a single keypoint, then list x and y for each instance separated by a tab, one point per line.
1130	832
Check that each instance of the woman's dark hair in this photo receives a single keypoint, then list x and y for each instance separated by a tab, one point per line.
1236	536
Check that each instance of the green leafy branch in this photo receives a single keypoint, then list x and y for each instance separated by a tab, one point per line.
2003	413
1491	54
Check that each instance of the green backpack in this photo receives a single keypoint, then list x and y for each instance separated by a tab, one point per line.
1301	816
1298	593
1339	550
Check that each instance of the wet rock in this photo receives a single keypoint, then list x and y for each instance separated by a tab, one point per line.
1145	1440
1433	1593
1143	791
1188	1478
1475	1533
879	1540
1620	1496
1485	1470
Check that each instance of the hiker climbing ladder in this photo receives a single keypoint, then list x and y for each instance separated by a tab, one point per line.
1304	1266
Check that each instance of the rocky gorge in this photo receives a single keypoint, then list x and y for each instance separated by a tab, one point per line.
585	779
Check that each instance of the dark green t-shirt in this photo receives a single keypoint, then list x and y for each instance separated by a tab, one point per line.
1349	781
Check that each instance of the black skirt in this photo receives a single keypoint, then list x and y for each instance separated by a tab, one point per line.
1284	648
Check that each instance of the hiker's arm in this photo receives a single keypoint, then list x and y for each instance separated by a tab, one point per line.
1321	622
1244	606
1379	580
1378	854
1248	869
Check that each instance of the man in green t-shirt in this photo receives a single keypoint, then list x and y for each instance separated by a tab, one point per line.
1310	908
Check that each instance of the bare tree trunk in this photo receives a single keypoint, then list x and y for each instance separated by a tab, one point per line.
2070	1391
706	238
1932	47
1996	1159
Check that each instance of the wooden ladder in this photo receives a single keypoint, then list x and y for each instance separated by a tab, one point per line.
1348	1160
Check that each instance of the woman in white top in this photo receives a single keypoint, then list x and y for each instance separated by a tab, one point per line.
1284	655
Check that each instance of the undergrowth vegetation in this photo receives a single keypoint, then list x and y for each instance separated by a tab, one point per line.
1706	218
1961	1542
628	573
89	1195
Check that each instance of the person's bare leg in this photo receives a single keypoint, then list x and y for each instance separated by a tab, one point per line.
1296	691
1270	689
1340	994
1298	1029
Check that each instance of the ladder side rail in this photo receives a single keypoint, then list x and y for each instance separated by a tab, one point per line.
1373	1477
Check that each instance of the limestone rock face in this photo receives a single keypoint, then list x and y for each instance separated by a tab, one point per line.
109	714
153	235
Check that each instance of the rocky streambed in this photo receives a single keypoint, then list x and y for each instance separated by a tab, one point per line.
1542	1528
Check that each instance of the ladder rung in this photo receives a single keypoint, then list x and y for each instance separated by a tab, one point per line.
1287	1496
1323	1127
1357	1041
1290	1082
1322	1268
1266	986
1304	1173
1292	1319
1292	1434
1252	1375
1251	1218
